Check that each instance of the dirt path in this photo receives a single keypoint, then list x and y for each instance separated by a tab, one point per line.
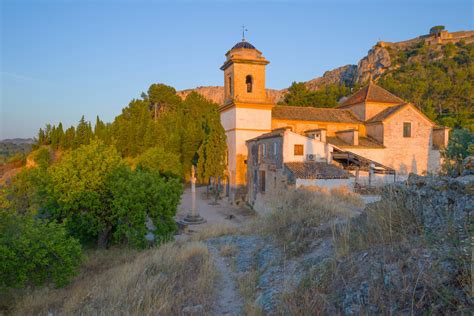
222	214
228	300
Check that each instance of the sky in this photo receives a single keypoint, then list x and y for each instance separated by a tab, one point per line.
61	59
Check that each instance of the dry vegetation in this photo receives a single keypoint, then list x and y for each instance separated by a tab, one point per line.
247	284
157	281
385	262
301	215
214	231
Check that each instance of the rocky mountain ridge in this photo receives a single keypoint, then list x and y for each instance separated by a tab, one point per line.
376	63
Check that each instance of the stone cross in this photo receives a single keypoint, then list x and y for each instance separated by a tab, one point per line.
193	191
243	33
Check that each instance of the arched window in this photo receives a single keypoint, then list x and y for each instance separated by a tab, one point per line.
249	83
231	89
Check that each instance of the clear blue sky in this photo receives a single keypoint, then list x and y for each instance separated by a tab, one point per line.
63	59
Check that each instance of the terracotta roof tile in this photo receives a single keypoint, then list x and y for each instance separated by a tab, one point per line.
275	133
316	170
371	93
302	113
363	142
386	113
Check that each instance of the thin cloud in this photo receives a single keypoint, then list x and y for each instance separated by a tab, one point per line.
20	77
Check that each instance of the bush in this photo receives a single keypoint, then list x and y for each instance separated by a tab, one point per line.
460	145
81	195
35	252
137	196
42	157
157	159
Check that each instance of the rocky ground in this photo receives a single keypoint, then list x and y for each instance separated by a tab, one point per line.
414	265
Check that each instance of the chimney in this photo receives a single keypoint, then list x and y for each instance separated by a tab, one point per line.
351	136
318	134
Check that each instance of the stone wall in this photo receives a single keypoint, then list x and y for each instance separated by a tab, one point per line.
440	204
408	154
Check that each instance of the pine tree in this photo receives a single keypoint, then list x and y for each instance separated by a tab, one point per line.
41	137
54	138
212	153
60	136
69	138
83	133
99	129
162	97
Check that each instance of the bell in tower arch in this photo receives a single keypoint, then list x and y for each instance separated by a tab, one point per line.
249	82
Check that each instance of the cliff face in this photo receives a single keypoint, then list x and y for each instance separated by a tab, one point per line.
216	94
373	65
342	75
213	93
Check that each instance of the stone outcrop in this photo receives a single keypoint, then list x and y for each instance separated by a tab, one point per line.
216	94
440	204
342	75
212	93
373	65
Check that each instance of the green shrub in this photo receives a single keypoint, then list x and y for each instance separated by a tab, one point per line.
101	199
42	157
460	145
140	195
35	252
157	159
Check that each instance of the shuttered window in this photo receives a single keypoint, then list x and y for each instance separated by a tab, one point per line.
262	180
406	129
299	150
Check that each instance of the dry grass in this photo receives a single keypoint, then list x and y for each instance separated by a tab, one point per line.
247	284
342	193
386	222
157	281
405	268
312	294
215	231
228	250
298	216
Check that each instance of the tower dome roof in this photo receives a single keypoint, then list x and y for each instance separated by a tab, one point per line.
243	44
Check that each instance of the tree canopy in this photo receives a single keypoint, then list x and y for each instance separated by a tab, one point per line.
327	97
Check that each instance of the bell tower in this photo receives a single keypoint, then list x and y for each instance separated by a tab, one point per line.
246	112
244	74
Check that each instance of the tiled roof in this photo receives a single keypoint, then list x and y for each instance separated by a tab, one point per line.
302	113
316	170
386	113
363	142
274	133
243	44
371	93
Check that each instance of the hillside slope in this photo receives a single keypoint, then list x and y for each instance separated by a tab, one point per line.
433	71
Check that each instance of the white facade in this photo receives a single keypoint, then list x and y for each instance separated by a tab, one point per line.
320	151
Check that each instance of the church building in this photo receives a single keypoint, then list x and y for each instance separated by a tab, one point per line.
370	130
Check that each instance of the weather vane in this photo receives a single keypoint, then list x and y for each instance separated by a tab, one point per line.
243	32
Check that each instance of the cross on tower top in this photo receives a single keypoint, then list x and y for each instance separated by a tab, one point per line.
243	33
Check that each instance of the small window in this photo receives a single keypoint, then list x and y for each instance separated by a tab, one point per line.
262	180
299	150
249	83
406	129
231	90
275	149
264	149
